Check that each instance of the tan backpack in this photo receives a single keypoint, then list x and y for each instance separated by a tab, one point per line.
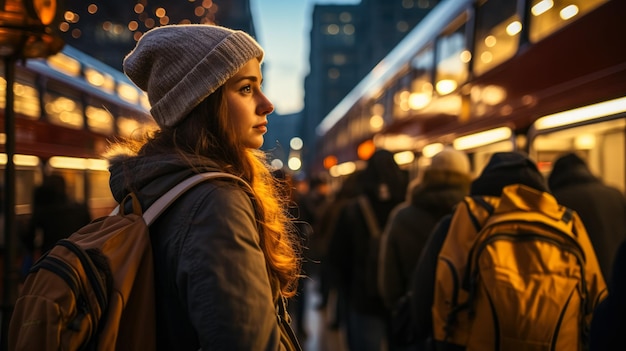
516	273
95	290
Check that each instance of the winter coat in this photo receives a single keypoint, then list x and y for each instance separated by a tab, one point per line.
410	225
601	208
213	290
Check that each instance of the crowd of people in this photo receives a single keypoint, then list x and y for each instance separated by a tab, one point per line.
415	217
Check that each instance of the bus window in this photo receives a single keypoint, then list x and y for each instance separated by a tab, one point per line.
498	26
547	16
422	85
63	110
99	120
26	97
452	57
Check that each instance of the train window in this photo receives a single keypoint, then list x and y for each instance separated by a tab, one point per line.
601	144
421	85
402	95
547	16
64	110
101	80
451	49
498	26
99	120
128	92
65	64
26	98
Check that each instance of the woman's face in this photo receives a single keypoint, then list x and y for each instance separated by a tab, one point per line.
248	107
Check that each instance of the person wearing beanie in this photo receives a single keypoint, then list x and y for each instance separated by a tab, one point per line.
503	169
602	208
225	254
430	197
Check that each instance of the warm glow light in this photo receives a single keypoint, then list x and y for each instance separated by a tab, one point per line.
376	123
330	161
514	28
277	163
541	7
482	138
431	150
582	114
446	86
404	157
78	163
366	149
21	160
342	169
585	142
419	100
568	12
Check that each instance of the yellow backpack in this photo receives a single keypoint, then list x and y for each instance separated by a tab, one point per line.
516	273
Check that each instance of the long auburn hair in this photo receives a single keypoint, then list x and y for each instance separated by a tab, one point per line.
208	132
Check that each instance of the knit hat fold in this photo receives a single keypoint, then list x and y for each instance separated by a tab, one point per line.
181	65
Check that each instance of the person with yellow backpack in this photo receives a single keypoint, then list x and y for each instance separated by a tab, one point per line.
510	269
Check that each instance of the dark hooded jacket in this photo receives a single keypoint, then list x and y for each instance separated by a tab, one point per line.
411	223
602	208
503	168
213	290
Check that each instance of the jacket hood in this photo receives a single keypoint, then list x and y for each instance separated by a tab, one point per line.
152	175
569	169
506	168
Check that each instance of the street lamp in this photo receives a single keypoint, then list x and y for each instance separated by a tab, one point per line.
26	31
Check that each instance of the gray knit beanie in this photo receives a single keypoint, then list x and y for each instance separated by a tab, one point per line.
450	159
180	65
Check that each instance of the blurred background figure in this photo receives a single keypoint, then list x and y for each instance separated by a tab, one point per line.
602	208
54	217
354	250
430	197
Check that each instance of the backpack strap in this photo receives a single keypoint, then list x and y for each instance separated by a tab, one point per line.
174	193
370	218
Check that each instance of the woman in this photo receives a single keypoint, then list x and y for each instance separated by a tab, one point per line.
225	257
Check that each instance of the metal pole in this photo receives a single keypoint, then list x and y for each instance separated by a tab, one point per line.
10	270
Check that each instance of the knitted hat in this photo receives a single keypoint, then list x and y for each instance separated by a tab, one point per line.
450	159
180	65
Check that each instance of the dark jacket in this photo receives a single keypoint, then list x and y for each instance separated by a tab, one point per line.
601	208
504	168
608	325
411	223
212	286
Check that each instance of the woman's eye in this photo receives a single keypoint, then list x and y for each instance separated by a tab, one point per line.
246	89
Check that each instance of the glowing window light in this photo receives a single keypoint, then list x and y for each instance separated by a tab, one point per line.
404	157
514	28
541	7
446	86
65	64
482	138
582	114
568	12
342	169
431	150
65	162
128	92
21	160
585	142
419	100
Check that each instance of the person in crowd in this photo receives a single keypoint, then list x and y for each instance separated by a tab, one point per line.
352	250
602	208
443	184
225	255
55	216
504	168
608	325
